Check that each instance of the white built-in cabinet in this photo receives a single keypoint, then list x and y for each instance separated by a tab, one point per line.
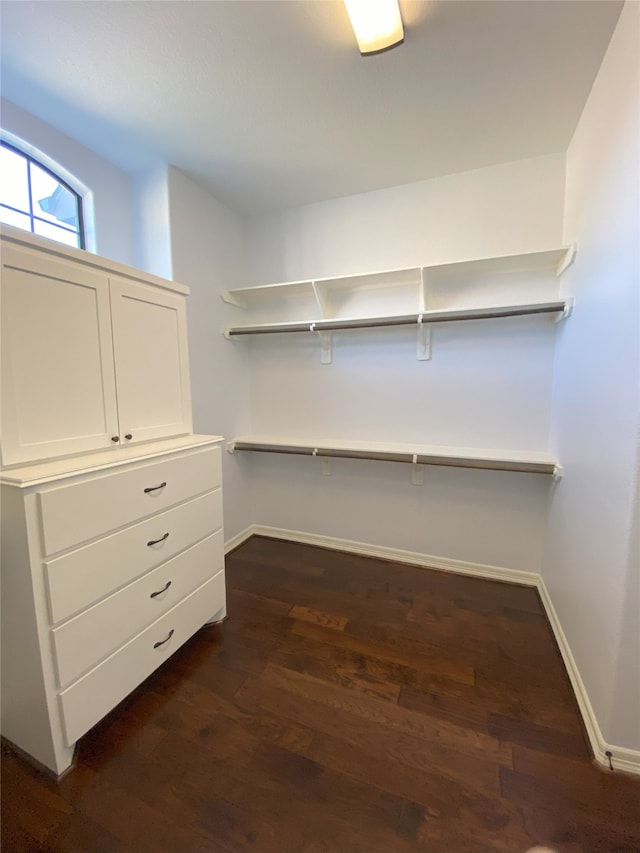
93	356
112	536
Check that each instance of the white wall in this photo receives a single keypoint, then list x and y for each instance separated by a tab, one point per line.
109	225
488	385
510	208
152	221
591	565
207	251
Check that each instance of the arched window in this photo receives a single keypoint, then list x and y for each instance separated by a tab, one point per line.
34	198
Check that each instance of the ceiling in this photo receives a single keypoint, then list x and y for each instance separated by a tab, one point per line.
269	104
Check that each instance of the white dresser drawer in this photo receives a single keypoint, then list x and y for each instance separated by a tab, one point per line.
96	693
82	511
84	641
84	576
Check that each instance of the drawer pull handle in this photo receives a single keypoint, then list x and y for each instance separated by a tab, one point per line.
159	592
166	640
154	488
155	541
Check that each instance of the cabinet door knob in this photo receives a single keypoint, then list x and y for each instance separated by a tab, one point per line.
155	541
166	640
128	436
160	591
115	438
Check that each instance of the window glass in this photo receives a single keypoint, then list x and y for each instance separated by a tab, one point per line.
34	198
14	179
62	235
12	217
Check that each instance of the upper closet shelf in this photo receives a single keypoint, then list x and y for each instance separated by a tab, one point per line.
487	288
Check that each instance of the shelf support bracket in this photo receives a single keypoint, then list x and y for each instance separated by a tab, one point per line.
326	463
557	473
322	298
423	296
326	351
231	447
326	345
231	300
568	259
424	340
417	472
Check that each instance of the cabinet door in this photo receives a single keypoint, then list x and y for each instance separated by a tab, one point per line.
152	361
58	382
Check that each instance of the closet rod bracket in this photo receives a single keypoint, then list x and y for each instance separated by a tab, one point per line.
417	472
566	312
326	344
326	463
423	352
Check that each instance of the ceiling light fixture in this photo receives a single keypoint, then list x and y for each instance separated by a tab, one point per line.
376	23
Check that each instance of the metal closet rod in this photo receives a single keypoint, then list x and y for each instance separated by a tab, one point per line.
425	317
413	458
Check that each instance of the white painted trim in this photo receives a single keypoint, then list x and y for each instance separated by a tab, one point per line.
627	760
35	243
397	555
622	758
239	538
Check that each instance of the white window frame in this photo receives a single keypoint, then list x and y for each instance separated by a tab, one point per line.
61	174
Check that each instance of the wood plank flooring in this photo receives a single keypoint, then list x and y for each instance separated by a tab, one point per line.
348	704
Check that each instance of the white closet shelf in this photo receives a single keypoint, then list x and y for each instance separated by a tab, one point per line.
523	461
479	289
560	306
554	260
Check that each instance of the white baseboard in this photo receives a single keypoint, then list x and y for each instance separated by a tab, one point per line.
622	758
399	556
239	538
627	760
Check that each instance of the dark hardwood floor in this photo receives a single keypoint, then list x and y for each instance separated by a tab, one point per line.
348	704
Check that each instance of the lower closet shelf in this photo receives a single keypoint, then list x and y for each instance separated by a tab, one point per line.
523	461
